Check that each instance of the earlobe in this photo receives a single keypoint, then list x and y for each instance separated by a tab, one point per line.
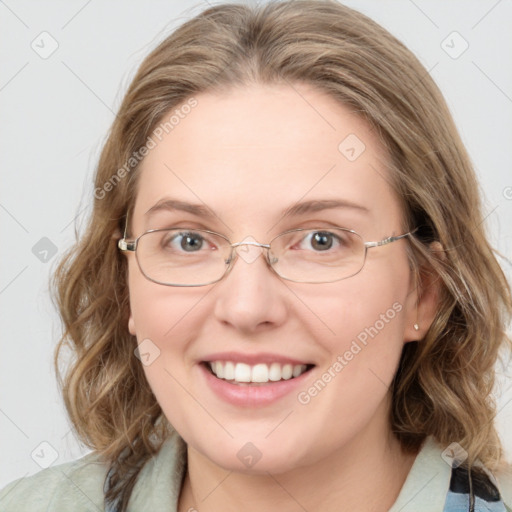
131	325
425	299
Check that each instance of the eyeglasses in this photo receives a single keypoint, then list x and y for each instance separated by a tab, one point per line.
197	257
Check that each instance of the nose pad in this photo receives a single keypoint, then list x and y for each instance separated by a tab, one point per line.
249	249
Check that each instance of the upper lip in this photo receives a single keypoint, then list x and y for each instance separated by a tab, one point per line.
253	359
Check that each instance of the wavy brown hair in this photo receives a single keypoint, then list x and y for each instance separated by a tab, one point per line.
443	386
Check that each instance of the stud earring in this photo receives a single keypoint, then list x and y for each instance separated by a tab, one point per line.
416	326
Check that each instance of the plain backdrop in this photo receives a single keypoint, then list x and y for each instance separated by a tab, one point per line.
64	68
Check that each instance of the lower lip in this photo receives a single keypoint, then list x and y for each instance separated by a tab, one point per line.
247	395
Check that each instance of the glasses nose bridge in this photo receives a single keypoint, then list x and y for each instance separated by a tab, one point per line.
251	242
248	258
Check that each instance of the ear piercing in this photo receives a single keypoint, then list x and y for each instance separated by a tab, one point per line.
416	326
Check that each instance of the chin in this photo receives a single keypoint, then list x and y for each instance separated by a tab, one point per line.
254	458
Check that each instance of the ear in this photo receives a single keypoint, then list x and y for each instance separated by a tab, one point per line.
131	324
424	296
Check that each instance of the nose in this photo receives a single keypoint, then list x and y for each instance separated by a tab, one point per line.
251	297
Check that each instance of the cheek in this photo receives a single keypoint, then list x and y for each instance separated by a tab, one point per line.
363	319
165	320
367	309
363	334
357	326
372	341
160	312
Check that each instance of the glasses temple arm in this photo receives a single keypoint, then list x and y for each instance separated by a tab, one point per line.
389	239
123	244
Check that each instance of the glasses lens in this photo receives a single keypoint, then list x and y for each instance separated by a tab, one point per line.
182	256
317	255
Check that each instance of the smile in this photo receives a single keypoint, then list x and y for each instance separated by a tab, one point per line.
258	373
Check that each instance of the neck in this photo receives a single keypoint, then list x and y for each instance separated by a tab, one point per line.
366	474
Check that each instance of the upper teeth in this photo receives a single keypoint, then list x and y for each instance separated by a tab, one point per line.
241	372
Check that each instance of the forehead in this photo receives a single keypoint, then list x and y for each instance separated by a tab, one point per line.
251	150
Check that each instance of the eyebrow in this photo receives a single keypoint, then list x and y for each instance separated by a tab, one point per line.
176	205
316	205
312	206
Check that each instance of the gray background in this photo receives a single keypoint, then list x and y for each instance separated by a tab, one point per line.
55	113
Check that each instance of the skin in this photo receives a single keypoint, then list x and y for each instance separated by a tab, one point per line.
247	154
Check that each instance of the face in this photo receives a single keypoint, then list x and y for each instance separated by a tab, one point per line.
247	155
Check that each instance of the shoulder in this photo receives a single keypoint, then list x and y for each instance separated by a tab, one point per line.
479	488
504	484
79	485
436	482
76	485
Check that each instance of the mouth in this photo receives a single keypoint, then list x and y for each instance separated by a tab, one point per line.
244	374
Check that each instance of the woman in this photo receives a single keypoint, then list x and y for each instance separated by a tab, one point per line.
351	365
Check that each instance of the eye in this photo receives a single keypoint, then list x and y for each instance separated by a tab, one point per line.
322	240
187	241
